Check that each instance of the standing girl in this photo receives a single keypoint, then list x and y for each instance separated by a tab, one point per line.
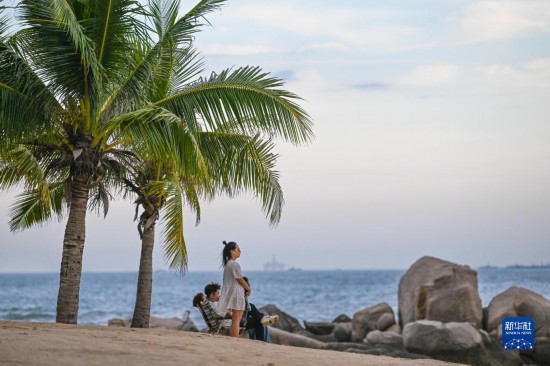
232	296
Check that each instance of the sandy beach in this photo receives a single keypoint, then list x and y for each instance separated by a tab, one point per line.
24	343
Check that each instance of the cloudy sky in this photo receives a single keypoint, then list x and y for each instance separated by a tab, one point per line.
432	138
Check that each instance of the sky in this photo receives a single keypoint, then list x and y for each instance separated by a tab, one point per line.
431	122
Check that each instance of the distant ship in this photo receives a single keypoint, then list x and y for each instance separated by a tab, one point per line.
531	266
274	265
518	266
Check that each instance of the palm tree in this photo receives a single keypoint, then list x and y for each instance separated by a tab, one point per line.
228	114
77	108
72	110
239	163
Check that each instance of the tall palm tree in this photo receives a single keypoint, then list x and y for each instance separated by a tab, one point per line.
228	114
72	109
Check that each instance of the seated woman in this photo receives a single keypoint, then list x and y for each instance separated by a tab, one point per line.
212	318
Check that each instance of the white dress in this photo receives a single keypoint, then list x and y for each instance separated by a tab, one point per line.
232	294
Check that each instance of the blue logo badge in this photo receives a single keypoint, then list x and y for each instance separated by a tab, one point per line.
518	333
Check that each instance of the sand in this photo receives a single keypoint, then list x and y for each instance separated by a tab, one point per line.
24	343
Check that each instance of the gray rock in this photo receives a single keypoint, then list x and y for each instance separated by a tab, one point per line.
342	332
365	348
367	319
342	318
286	322
385	321
117	322
456	342
427	287
188	325
377	338
519	302
345	346
279	336
541	353
394	329
175	323
319	328
319	337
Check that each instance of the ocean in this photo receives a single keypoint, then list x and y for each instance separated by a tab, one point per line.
306	295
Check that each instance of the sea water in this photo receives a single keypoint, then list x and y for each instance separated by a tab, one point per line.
306	295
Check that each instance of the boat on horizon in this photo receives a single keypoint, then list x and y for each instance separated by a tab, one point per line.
274	265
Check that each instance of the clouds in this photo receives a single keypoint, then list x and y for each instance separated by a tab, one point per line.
306	26
430	117
531	75
430	76
375	47
484	21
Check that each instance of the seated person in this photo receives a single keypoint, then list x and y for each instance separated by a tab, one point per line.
213	319
212	292
257	322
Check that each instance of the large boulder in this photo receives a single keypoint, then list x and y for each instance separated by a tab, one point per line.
370	319
370	349
456	342
286	322
342	318
378	338
279	336
342	332
175	323
434	289
519	302
325	338
319	328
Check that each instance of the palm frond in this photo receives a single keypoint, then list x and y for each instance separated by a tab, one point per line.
99	198
62	54
30	209
170	35
19	165
240	163
162	136
175	250
26	104
248	96
114	24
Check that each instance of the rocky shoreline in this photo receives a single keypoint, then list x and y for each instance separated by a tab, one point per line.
439	317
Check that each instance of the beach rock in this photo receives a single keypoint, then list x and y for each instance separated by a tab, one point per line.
378	338
319	328
434	289
117	322
367	349
519	302
394	329
175	323
188	324
342	318
456	342
342	332
319	337
286	322
279	336
367	320
385	321
541	354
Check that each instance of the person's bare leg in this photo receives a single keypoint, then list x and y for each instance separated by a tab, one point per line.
235	322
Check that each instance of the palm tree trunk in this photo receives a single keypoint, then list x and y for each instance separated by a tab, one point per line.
142	309
73	247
